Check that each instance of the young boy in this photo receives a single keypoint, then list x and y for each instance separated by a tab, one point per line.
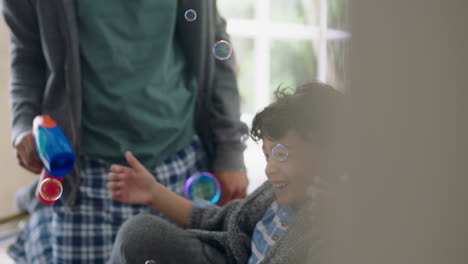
271	225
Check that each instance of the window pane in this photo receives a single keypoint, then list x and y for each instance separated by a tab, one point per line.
338	14
295	11
244	51
337	56
292	63
241	9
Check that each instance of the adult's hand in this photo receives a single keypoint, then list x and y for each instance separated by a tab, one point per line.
233	185
26	153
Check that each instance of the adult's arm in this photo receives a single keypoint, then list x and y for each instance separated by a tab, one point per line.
225	110
27	65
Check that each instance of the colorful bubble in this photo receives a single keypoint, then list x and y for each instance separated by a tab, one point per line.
190	15
222	50
244	138
280	152
202	188
51	189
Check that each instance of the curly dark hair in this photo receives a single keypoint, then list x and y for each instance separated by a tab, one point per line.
312	110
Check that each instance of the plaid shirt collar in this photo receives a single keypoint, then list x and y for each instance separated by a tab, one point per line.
270	229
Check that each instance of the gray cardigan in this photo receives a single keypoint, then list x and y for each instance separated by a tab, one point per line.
45	79
229	228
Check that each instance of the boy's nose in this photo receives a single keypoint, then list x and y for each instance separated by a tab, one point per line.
271	168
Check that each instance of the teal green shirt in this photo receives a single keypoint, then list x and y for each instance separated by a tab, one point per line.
138	94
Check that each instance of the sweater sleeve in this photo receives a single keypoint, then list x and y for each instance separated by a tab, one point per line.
27	64
213	217
251	209
224	111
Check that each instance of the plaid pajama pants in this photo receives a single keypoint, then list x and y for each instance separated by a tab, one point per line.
85	233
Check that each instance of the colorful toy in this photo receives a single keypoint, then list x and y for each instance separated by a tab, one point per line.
57	156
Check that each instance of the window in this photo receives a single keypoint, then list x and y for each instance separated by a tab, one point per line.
283	42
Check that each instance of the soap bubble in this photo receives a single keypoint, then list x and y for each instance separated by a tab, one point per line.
280	152
190	15
244	138
202	187
51	189
222	50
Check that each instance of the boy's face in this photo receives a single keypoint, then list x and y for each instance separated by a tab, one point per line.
290	167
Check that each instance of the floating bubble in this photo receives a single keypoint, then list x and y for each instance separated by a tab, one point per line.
202	188
190	15
51	189
150	262
244	138
222	50
280	152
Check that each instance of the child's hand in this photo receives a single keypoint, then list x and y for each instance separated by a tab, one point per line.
134	185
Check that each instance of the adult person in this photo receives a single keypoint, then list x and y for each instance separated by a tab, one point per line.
118	75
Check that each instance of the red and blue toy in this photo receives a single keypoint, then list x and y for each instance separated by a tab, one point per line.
57	156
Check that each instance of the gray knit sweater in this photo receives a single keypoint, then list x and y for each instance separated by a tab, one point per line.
230	228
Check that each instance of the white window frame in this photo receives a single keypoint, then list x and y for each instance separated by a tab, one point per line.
262	31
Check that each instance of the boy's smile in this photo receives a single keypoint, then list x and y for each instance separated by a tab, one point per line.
289	172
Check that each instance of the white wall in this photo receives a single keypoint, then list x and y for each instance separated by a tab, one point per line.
407	197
